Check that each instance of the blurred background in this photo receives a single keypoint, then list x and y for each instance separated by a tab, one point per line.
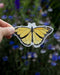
15	59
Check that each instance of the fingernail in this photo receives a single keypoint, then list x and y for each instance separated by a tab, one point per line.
12	30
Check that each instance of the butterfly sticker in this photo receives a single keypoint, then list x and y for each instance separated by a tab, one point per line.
32	34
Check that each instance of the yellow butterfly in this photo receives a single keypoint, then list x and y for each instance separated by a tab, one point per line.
32	34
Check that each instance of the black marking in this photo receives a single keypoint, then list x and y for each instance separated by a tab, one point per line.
31	29
32	33
49	31
25	36
38	35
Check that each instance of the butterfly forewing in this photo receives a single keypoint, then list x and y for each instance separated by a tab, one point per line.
22	31
24	35
40	34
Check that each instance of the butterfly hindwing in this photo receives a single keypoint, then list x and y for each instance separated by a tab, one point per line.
24	35
36	39
40	34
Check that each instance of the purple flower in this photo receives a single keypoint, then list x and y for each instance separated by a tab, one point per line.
11	42
5	58
17	4
37	73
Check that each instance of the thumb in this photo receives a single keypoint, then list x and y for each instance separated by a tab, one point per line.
6	31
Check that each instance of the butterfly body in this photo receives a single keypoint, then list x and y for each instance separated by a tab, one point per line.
32	34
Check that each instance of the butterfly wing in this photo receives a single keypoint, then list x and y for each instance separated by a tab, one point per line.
40	34
24	35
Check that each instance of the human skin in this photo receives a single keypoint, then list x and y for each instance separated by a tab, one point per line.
6	30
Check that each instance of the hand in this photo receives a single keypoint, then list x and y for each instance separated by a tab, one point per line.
5	30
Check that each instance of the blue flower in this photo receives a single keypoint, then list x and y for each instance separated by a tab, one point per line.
49	46
53	63
4	17
33	6
56	36
42	46
34	55
14	25
15	46
37	73
45	1
31	55
48	1
47	6
46	41
11	42
21	7
54	57
24	57
10	17
21	48
27	19
5	58
44	15
17	4
39	8
43	51
46	23
26	62
32	15
4	11
42	0
58	57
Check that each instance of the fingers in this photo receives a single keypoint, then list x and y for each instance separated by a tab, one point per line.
1	37
7	31
4	24
8	37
